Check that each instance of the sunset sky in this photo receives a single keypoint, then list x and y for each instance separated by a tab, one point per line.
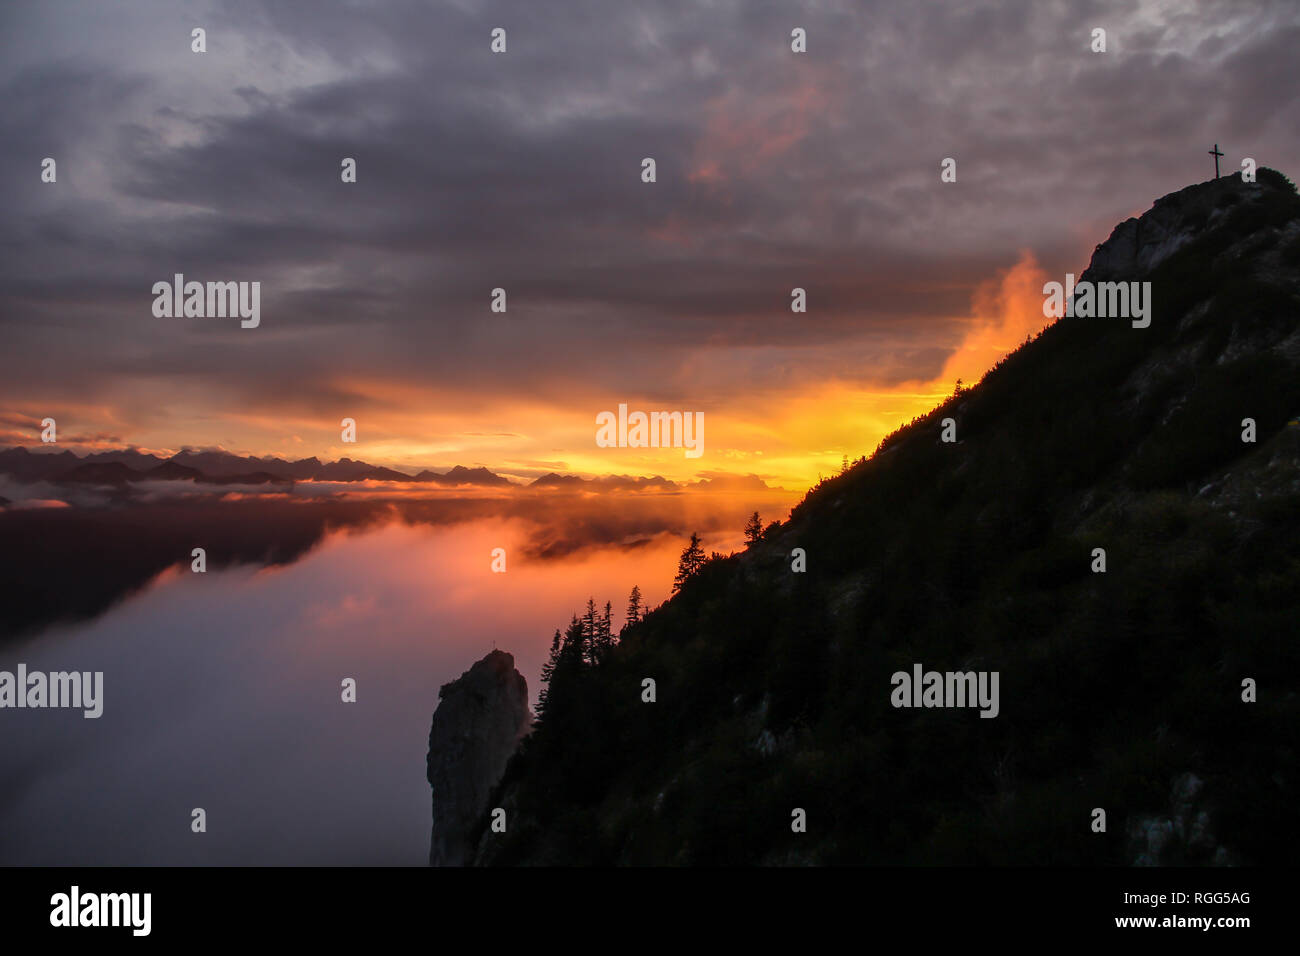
522	170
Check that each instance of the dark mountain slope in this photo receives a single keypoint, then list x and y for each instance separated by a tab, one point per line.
1119	690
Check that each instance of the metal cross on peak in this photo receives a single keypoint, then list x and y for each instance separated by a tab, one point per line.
1216	154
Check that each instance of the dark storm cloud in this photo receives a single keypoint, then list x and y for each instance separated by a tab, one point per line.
522	171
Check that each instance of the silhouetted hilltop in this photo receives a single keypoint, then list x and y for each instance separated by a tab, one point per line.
460	475
603	483
1120	689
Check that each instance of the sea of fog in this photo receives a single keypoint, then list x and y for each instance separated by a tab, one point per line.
222	692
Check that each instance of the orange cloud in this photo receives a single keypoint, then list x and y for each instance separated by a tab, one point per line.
742	132
1005	310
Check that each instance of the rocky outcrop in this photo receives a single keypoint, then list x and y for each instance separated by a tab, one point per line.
477	725
1137	246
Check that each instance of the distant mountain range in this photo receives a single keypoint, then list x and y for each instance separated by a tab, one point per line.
119	468
214	467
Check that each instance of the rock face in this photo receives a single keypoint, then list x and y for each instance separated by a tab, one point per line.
1137	246
478	724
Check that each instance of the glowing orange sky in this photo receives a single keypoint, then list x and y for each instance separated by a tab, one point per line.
788	437
775	169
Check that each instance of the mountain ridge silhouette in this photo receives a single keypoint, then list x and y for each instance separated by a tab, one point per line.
1123	689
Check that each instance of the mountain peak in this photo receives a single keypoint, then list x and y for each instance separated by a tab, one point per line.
1113	520
1138	245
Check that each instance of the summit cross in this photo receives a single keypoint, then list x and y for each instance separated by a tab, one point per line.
1216	154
